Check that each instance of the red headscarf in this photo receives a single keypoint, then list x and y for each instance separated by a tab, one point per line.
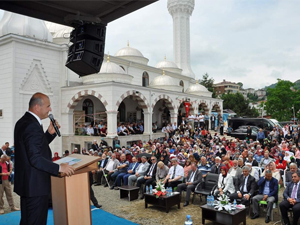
225	169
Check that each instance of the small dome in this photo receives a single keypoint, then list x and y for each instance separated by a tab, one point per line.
165	82
13	23
128	51
166	64
198	89
110	67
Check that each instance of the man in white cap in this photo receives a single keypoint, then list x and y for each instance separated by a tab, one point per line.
217	167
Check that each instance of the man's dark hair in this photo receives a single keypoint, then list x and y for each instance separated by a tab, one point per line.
36	99
298	173
268	172
67	151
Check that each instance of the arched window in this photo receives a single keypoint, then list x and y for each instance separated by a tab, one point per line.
122	112
88	108
182	85
145	79
122	68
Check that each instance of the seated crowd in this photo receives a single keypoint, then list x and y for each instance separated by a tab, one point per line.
247	171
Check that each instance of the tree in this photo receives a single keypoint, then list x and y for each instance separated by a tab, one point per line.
252	97
239	105
240	84
281	99
208	83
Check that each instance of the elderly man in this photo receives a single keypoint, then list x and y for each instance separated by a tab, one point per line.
194	177
95	146
235	170
162	171
266	160
291	200
140	171
5	186
244	187
288	175
175	176
100	171
149	177
253	172
111	167
130	171
252	161
121	168
217	167
268	191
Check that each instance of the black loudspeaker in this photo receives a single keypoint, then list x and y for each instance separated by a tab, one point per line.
84	63
85	56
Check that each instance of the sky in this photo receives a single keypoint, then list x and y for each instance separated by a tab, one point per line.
254	42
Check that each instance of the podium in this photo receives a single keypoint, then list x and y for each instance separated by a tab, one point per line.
71	195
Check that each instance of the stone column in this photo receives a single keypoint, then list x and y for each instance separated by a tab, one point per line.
147	123
111	123
174	118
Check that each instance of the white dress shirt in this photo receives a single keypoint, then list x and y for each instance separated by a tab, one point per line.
178	172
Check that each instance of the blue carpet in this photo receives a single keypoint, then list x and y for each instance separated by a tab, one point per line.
99	216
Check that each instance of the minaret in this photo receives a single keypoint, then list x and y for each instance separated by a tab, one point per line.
181	10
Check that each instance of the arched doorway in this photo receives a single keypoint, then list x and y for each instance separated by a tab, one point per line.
161	113
203	108
88	108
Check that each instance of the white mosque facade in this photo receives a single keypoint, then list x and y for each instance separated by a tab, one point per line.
33	55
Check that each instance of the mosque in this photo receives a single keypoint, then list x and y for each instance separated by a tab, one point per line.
33	55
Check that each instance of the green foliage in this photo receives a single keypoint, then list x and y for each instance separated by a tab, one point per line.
208	83
239	105
281	99
240	84
252	97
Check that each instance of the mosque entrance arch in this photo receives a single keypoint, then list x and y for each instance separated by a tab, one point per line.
162	109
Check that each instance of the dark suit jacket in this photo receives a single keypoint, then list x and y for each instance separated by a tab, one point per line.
254	163
216	170
273	187
154	171
251	184
33	158
197	177
105	162
288	192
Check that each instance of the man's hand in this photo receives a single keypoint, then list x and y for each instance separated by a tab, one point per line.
290	200
130	171
265	197
240	195
111	171
247	196
66	169
51	129
137	175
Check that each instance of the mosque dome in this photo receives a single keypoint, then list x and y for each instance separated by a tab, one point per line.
165	82
13	23
168	66
132	54
109	72
198	89
60	33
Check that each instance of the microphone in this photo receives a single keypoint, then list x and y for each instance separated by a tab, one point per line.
54	124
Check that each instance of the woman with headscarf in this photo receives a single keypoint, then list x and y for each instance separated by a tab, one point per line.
56	157
225	183
280	162
165	158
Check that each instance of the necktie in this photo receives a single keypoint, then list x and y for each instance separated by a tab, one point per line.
150	170
294	191
42	126
243	184
193	173
133	166
173	175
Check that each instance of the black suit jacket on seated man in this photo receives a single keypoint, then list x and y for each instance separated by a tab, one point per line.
251	187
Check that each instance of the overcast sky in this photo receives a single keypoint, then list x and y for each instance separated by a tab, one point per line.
253	42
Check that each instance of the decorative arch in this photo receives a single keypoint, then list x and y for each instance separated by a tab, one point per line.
145	79
181	83
137	96
217	106
204	105
80	95
169	102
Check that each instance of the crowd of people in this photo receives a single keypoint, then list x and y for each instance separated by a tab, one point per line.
249	171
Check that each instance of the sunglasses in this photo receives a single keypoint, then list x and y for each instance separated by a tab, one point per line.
152	159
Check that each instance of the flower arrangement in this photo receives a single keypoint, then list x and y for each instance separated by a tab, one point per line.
222	203
159	189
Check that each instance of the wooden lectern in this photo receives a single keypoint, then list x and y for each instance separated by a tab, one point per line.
71	195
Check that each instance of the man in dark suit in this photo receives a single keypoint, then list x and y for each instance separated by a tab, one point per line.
100	171
291	200
149	177
194	177
217	167
268	191
252	161
245	187
248	132
33	161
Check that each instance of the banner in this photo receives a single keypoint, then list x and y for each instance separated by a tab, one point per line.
187	108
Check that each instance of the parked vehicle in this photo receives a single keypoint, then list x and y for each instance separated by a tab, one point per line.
241	132
235	123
